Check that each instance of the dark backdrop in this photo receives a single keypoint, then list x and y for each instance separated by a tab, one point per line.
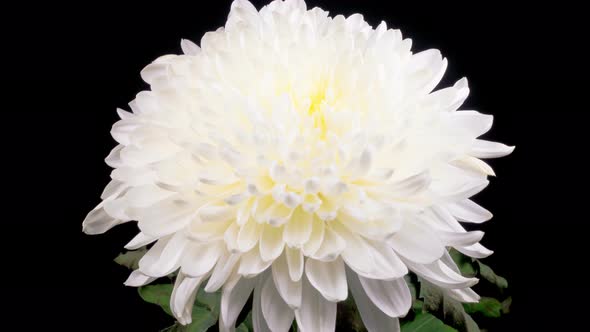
69	67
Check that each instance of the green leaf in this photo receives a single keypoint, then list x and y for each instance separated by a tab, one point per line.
452	310
246	325
488	274
464	263
425	322
487	306
157	294
211	301
130	259
203	319
506	305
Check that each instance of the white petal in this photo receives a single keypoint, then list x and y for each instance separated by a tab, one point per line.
248	235
486	149
164	257
460	238
271	242
332	245
207	231
475	250
411	185
98	221
138	279
258	321
139	241
373	318
251	263
289	290
328	278
221	272
216	213
295	263
417	243
388	265
276	312
234	296
356	254
441	275
316	238
183	297
199	259
189	48
476	123
316	314
298	230
392	297
469	211
463	295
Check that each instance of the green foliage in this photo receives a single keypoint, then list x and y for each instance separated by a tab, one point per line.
130	259
488	274
451	310
425	322
205	311
487	306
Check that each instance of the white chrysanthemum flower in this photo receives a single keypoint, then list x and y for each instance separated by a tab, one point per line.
299	156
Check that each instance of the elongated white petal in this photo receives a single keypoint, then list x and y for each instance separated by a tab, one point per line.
258	322
460	238
441	275
199	259
276	312
328	278
469	211
189	48
138	279
392	297
475	250
298	230
289	290
183	297
316	314
222	271
417	243
98	222
295	263
252	264
486	149
374	319
332	245
234	296
139	241
271	242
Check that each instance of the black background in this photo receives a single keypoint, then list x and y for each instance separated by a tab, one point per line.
70	65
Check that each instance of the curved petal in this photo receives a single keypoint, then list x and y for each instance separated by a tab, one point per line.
316	314
221	272
486	149
276	312
183	297
252	264
373	318
289	290
234	296
295	263
139	241
138	279
199	259
328	278
469	211
417	243
391	297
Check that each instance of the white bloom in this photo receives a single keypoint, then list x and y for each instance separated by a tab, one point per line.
297	156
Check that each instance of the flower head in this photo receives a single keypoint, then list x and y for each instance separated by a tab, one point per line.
299	156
